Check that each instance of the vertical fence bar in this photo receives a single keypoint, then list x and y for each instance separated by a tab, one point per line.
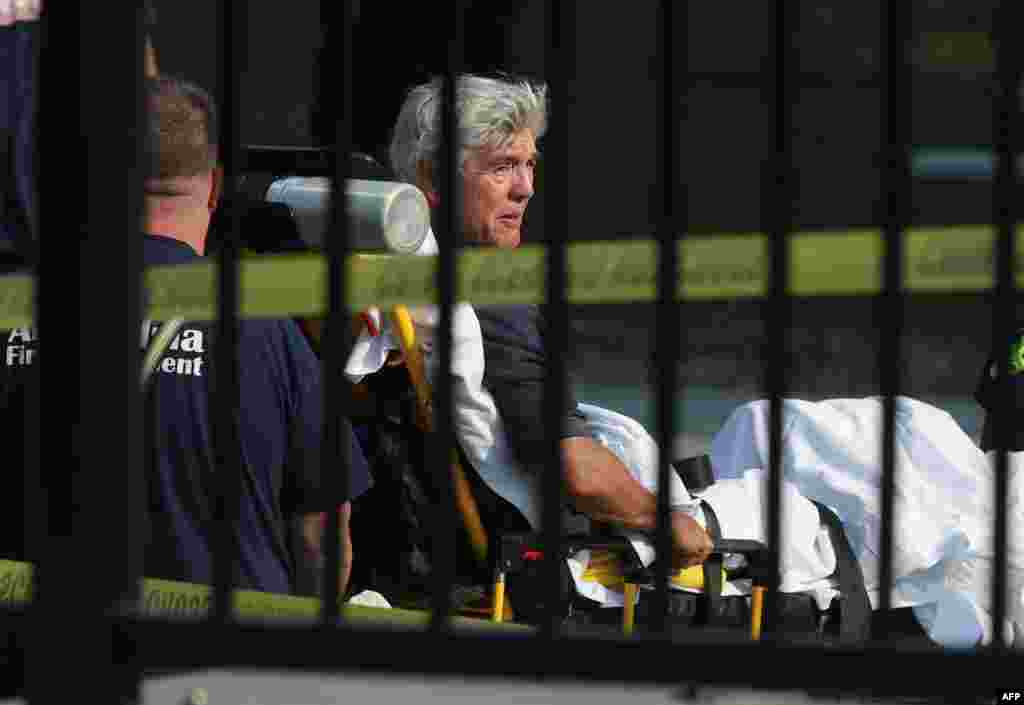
60	38
777	202
231	26
49	145
100	293
895	204
336	457
1005	114
132	527
559	26
667	330
444	437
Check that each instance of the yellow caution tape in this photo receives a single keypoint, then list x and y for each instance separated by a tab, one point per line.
730	266
172	599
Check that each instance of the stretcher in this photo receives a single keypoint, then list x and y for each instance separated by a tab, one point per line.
519	549
516	549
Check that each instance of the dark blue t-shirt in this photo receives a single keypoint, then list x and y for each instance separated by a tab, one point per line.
515	373
280	418
17	111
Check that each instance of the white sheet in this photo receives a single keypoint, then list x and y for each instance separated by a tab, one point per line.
943	510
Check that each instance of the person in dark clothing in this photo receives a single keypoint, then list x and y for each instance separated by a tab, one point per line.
18	348
19	39
992	386
280	419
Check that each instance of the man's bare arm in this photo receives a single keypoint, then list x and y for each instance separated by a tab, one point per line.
312	533
601	487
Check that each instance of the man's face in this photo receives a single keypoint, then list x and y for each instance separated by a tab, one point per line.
496	186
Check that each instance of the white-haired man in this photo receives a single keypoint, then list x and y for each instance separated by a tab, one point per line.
499	392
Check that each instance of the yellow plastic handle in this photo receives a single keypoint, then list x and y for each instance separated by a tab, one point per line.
463	493
413	359
756	611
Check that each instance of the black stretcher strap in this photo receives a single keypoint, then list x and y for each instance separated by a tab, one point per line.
712	568
696	473
855	607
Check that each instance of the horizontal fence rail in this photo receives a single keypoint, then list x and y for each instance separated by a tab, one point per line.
956	259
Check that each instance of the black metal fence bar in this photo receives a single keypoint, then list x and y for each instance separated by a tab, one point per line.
668	328
35	519
559	62
232	30
895	204
98	180
777	199
1006	131
128	683
41	499
448	241
700	659
337	125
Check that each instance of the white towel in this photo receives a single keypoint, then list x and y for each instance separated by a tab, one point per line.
376	339
369	598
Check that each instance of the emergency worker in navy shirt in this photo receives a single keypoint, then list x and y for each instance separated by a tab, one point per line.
499	121
280	414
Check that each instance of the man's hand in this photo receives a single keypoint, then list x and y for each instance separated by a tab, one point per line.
691	544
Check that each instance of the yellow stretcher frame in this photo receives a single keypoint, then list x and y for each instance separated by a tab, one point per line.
464	500
620	566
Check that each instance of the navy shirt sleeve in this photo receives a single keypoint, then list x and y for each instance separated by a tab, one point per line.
307	483
515	375
17	122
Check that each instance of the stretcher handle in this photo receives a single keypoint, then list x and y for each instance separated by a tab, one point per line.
417	372
762	564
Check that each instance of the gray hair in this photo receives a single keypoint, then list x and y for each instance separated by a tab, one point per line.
490	113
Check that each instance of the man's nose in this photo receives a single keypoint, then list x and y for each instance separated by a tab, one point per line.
522	183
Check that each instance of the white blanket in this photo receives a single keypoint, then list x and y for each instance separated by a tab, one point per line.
944	504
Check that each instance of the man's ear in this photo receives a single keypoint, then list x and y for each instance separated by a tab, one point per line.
425	181
216	187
